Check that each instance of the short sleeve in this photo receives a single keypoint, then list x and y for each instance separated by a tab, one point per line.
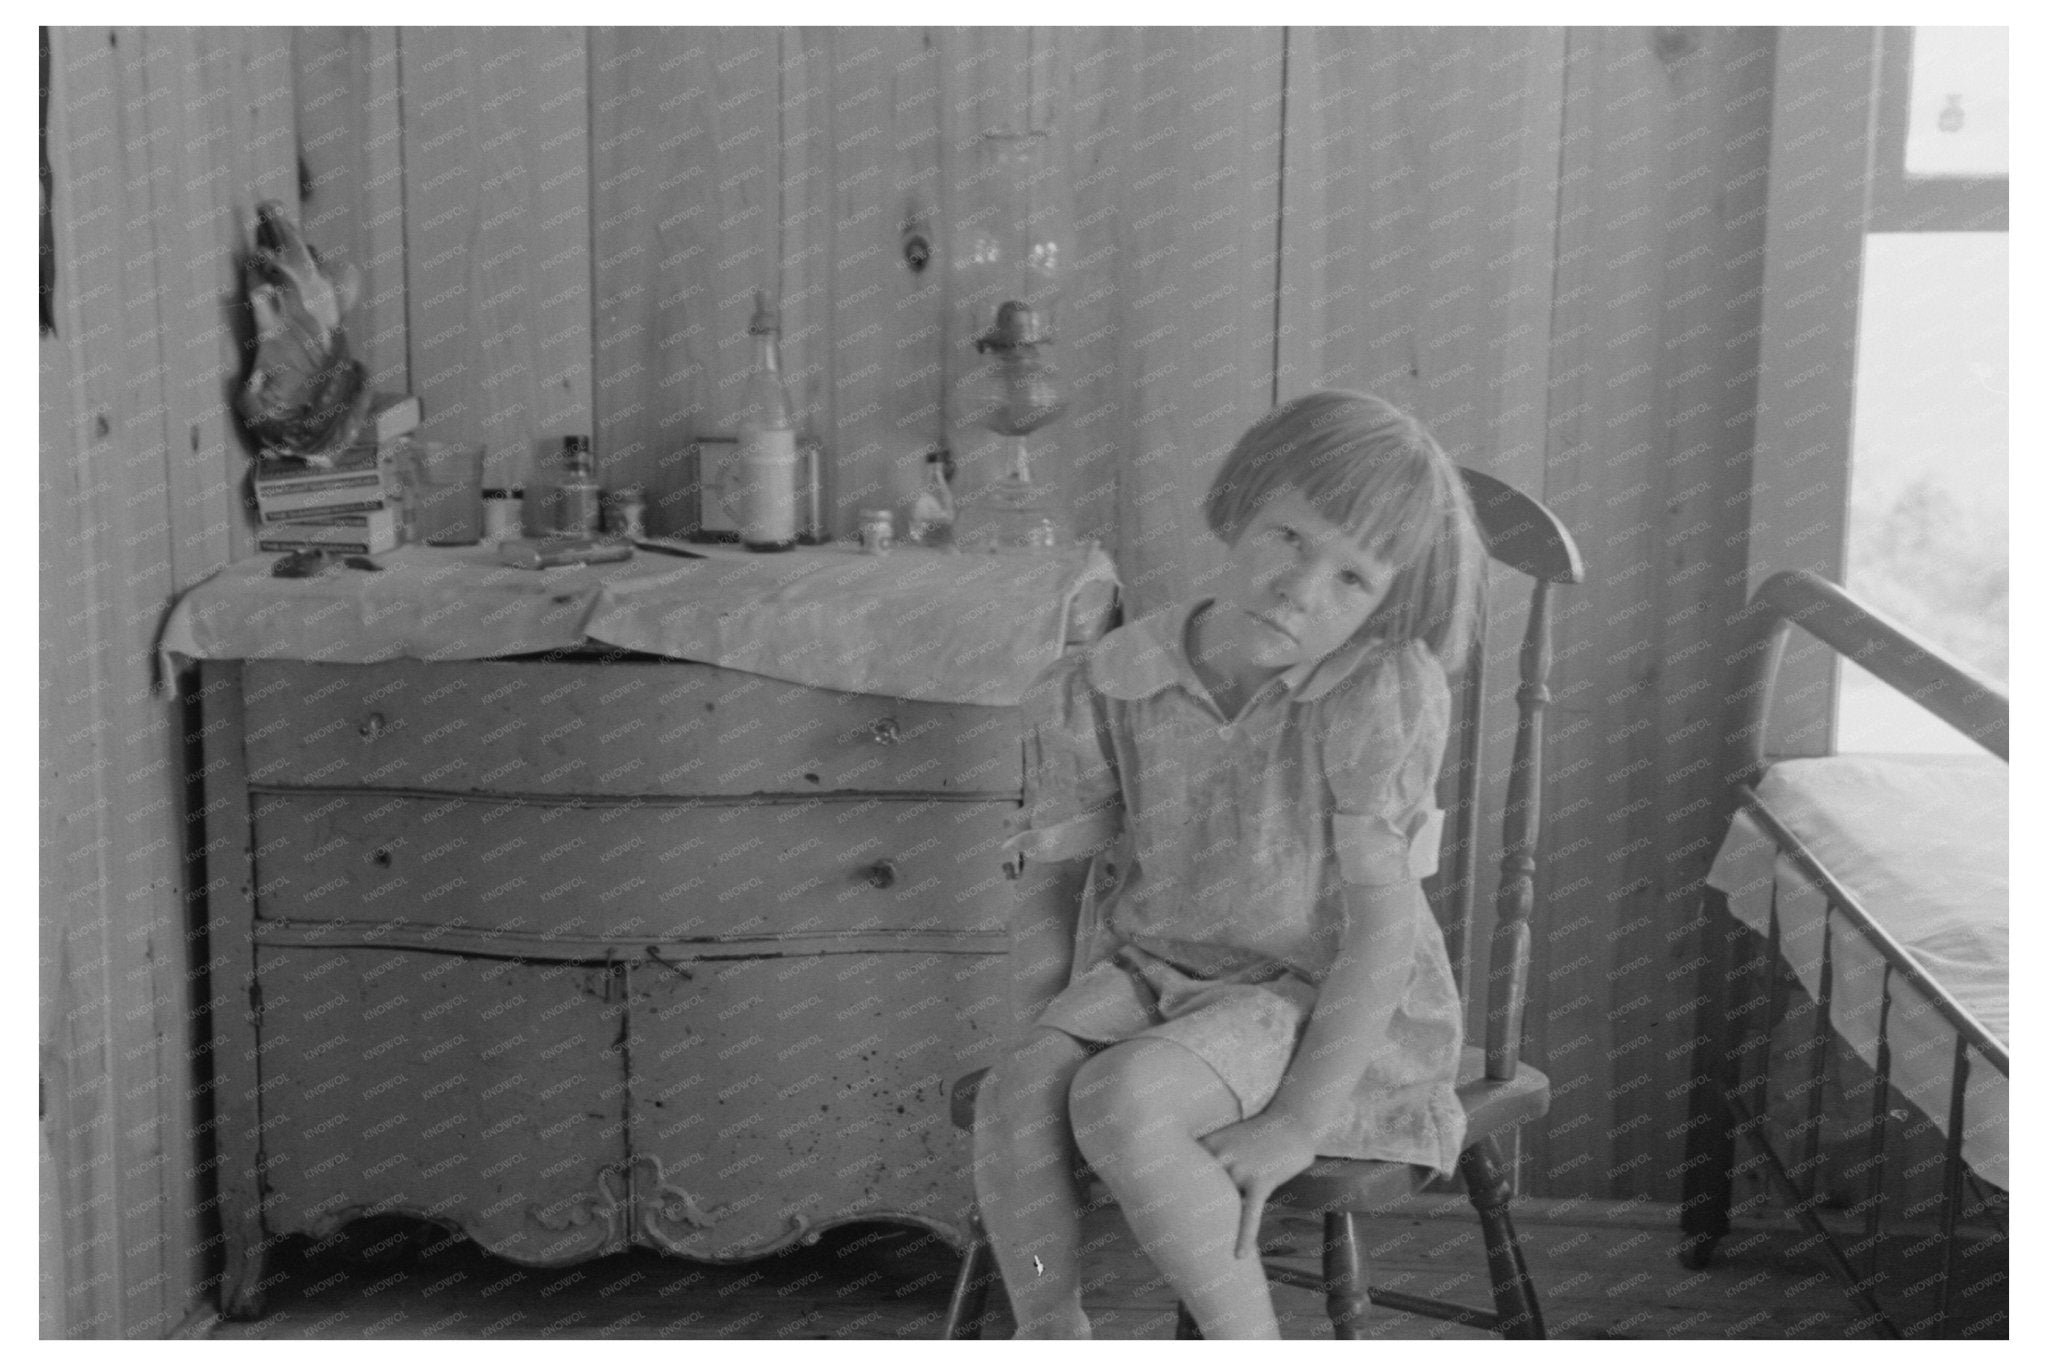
1073	805
1383	743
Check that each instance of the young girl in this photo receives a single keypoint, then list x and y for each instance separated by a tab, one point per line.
1260	977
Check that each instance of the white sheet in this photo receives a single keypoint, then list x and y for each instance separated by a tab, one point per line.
1921	840
915	623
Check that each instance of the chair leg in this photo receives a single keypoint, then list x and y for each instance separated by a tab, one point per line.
1514	1294
1184	1328
1345	1294
978	1271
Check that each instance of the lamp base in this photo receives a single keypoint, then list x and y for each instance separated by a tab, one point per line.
1013	514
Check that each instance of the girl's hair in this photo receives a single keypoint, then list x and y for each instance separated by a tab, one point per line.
1369	467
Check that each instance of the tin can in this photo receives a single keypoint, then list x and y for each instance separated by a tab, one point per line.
625	513
877	530
503	512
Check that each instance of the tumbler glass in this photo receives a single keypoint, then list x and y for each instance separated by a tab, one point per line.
445	492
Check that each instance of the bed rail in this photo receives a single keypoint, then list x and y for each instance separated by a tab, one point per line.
1727	1104
1936	680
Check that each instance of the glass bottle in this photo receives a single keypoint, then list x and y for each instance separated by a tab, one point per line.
768	456
539	509
578	498
931	512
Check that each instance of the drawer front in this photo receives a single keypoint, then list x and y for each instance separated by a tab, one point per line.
634	872
619	728
778	1097
488	1093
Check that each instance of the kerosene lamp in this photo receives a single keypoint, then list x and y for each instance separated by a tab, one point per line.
1009	240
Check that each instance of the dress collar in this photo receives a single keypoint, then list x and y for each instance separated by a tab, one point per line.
1150	655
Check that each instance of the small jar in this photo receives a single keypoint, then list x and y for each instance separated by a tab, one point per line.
625	513
504	513
877	530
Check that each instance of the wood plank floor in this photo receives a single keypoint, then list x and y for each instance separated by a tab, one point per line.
1604	1270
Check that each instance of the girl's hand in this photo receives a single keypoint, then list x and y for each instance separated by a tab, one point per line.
1261	1154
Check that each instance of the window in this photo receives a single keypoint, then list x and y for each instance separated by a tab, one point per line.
1927	516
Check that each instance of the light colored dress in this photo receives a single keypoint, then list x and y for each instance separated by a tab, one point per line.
1215	907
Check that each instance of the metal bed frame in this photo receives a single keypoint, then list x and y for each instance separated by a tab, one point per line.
1731	1101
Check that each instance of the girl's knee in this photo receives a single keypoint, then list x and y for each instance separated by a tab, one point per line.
1044	1053
1126	1089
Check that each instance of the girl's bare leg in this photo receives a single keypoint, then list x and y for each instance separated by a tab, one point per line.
1139	1109
1024	1179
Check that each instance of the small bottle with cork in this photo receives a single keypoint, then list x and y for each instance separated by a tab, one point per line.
932	511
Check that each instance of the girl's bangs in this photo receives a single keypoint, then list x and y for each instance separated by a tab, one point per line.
1391	505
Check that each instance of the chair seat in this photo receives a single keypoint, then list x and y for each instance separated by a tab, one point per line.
1491	1107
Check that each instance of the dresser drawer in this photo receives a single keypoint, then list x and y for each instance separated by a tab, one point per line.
487	1093
632	871
610	728
776	1097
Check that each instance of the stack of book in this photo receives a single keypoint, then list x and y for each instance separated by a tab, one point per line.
347	503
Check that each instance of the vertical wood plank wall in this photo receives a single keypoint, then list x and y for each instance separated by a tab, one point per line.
161	142
351	155
496	143
1653	347
1806	399
1416	265
1547	242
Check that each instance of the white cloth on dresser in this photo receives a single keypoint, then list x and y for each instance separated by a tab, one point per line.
916	623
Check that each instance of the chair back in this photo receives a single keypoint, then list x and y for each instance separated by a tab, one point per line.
1525	537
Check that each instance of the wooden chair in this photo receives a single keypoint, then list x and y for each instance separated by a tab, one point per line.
1499	1090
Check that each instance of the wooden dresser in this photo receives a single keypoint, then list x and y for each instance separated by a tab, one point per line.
595	952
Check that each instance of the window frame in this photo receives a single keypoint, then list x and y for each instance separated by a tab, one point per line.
1840	103
1901	202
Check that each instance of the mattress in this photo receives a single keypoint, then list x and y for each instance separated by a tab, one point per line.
1921	842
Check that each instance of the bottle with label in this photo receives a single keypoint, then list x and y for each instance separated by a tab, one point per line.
931	512
768	457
